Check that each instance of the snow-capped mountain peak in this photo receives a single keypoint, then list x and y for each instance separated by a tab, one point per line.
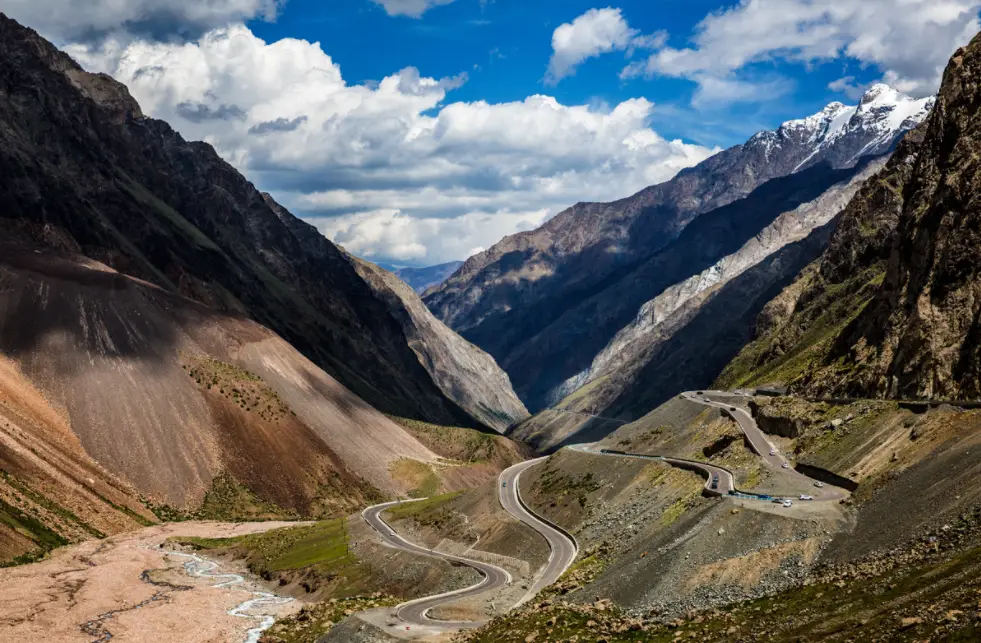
841	134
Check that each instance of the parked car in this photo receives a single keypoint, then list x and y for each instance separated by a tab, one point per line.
788	503
819	485
732	408
777	501
785	465
804	496
773	451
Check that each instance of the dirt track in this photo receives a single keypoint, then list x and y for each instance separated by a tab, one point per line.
67	597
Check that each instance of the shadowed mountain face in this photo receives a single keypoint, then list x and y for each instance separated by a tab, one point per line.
545	302
83	169
908	256
742	256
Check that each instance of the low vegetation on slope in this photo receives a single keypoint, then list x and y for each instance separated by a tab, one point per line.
795	332
317	557
238	385
466	445
927	591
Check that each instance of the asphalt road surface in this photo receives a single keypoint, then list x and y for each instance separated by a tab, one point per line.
415	612
758	441
563	553
563	548
711	472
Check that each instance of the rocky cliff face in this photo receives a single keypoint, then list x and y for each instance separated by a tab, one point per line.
82	167
658	320
463	372
921	334
797	329
546	302
892	308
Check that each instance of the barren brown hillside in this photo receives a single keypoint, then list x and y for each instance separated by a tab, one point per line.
167	394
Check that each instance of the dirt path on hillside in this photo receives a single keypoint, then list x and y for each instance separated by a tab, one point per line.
127	589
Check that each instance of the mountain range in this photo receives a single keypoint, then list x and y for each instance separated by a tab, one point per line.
604	286
176	346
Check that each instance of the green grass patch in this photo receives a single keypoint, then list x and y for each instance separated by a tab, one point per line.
229	501
31	528
461	444
678	508
317	555
226	500
418	476
290	548
420	508
787	352
581	395
314	621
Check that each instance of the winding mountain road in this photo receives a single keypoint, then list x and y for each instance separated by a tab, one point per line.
758	441
563	546
726	481
563	549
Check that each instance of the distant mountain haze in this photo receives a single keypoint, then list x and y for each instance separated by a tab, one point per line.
422	279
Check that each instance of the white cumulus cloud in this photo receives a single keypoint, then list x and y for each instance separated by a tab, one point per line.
596	32
389	169
910	41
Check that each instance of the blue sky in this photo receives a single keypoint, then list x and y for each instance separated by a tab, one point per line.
504	46
415	132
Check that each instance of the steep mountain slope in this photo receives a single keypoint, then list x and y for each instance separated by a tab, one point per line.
422	279
797	329
171	396
51	492
592	324
81	162
921	335
461	370
545	296
892	309
685	336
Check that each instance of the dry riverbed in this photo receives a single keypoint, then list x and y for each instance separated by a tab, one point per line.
128	589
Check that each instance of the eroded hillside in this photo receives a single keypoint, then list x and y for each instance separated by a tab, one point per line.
168	394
